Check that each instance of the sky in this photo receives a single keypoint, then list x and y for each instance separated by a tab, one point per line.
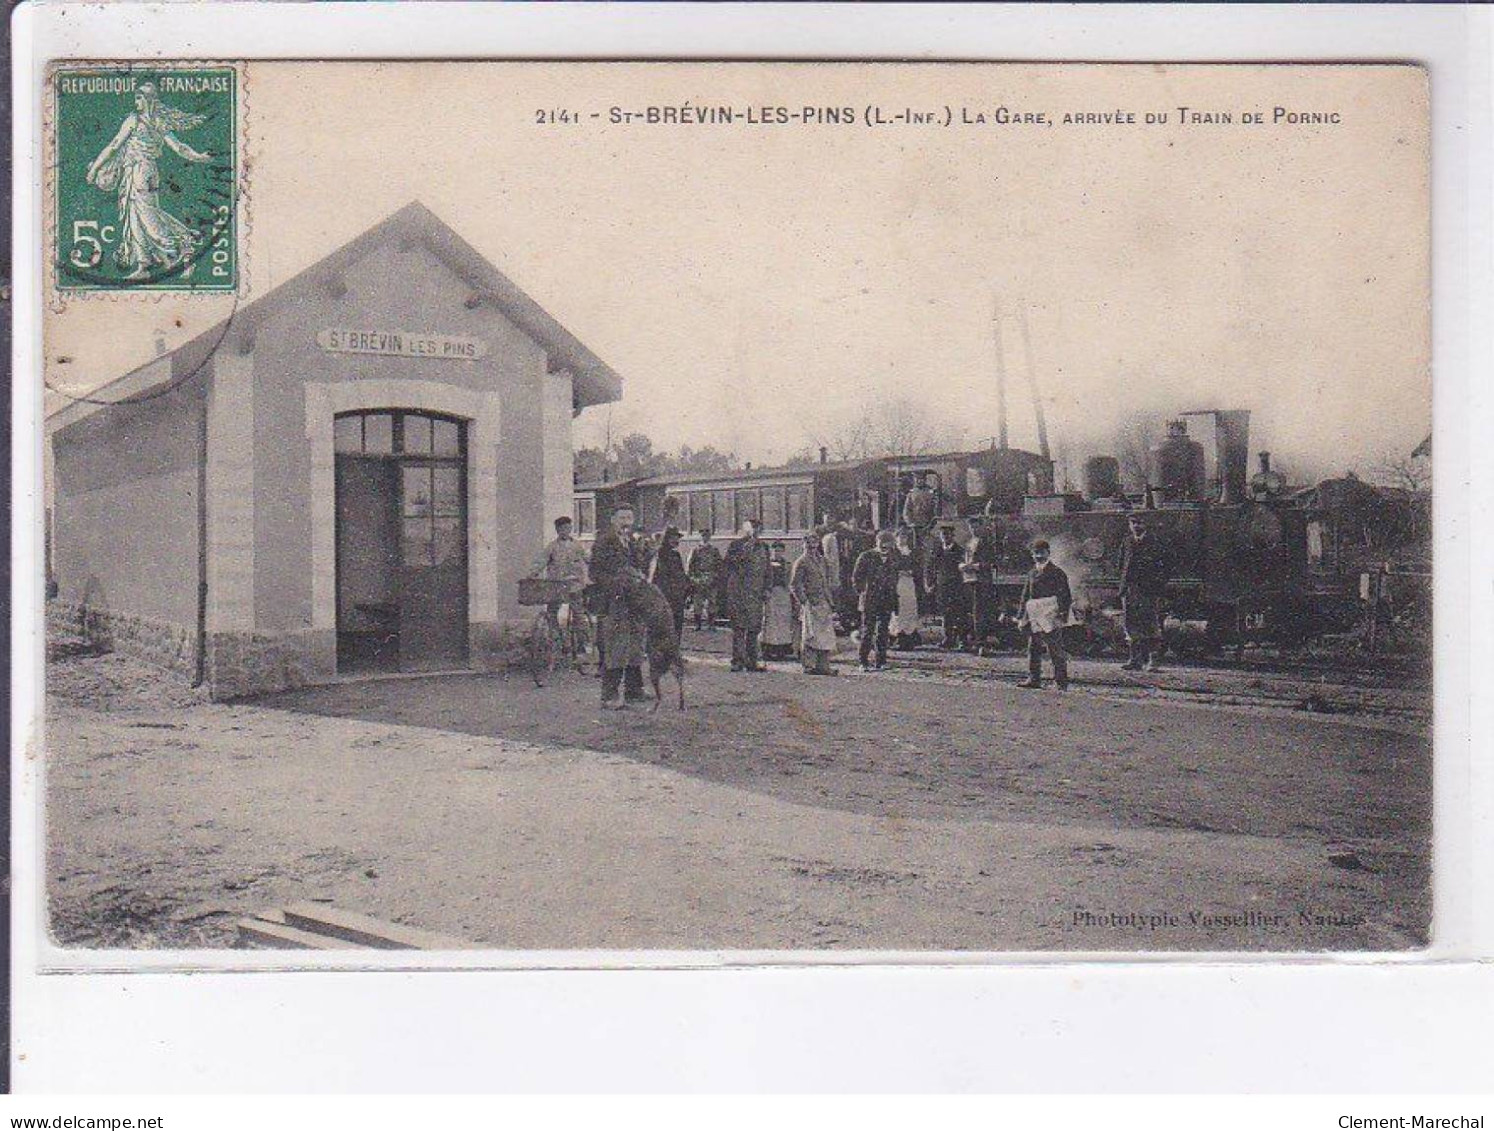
757	286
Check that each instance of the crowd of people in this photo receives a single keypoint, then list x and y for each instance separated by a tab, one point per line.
876	584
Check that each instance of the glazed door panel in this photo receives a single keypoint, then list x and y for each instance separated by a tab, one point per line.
433	566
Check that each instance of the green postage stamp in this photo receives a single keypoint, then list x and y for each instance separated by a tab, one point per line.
145	178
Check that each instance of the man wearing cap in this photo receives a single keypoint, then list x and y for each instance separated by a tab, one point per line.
1045	603
1144	570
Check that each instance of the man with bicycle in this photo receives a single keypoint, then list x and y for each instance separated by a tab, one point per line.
564	560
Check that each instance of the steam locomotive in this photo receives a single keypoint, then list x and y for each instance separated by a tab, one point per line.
1252	560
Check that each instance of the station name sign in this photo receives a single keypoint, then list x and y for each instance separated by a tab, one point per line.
401	343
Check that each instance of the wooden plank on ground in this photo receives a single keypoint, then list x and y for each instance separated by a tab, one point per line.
365	930
273	932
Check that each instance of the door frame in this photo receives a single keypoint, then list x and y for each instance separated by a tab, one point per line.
480	410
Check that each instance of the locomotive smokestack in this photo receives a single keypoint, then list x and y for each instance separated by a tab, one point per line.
1232	431
1265	463
824	454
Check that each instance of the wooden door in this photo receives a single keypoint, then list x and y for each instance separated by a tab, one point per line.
368	565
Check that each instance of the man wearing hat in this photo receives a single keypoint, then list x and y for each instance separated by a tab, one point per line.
1144	570
746	573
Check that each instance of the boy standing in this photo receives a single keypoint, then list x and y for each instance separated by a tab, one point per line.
1046	602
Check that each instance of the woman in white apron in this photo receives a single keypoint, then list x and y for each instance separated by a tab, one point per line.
778	610
903	628
809	583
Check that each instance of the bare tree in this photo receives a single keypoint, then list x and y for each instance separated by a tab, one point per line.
1408	472
903	428
804	457
851	441
900	426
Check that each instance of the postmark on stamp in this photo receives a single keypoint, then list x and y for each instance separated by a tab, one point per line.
145	178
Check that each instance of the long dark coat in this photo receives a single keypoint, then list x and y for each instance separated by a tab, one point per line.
1144	568
943	575
875	581
622	634
746	580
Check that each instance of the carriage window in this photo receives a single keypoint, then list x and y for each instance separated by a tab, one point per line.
749	505
378	434
798	508
700	510
586	516
773	508
725	522
682	515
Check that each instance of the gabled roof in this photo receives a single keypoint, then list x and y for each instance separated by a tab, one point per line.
596	382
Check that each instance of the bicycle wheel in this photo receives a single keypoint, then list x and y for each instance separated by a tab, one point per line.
542	650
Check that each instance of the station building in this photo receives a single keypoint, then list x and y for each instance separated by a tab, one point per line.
349	474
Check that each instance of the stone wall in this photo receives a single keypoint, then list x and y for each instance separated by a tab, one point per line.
169	646
247	663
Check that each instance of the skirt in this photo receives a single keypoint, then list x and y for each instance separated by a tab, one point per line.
818	624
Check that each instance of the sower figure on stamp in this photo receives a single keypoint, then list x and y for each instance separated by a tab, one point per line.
1144	571
875	582
614	566
150	238
746	588
1046	601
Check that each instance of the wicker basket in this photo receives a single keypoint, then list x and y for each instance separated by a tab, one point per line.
542	590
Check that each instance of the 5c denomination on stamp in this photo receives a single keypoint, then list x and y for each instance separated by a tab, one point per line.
145	178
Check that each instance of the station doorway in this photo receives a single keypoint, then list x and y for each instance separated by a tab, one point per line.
401	514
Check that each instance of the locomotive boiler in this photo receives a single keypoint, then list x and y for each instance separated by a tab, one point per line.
1238	546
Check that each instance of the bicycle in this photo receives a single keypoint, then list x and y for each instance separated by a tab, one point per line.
563	633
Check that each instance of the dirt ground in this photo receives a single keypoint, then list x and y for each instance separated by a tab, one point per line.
933	806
